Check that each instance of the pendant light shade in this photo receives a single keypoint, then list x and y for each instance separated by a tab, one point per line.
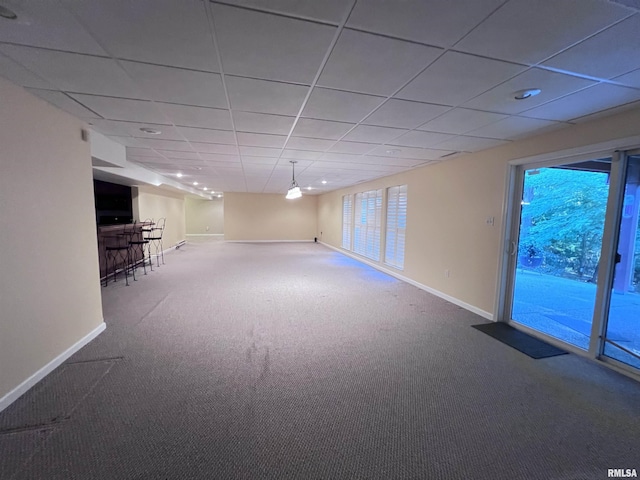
294	190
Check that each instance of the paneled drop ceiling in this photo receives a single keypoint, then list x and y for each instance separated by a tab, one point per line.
351	89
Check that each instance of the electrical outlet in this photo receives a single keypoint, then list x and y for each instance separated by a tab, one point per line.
490	221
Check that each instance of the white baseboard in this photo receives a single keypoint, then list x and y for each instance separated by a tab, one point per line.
433	291
269	241
21	389
204	234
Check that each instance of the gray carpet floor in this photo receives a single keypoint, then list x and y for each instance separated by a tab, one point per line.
290	360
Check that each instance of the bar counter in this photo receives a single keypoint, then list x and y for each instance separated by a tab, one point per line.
106	232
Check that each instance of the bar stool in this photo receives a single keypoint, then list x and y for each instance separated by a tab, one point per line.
118	253
154	236
138	245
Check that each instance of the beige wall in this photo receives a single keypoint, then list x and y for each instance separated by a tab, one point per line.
50	282
204	217
254	216
448	205
155	203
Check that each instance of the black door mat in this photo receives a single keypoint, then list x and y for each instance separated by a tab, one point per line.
524	342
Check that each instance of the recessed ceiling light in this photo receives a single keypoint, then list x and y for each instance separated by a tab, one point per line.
195	183
6	13
526	93
324	182
308	188
179	175
219	196
392	151
204	188
150	131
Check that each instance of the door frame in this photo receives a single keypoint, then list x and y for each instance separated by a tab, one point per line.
507	260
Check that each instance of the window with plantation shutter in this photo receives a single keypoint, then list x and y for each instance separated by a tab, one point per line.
396	226
347	221
367	221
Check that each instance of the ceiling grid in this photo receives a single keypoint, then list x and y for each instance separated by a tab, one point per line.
352	91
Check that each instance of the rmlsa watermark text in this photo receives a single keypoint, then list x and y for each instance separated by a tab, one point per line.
622	473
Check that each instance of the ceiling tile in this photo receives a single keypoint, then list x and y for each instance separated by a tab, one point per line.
158	143
188	116
608	54
520	33
352	147
146	158
409	152
513	127
328	10
64	102
417	138
179	155
121	108
404	113
215	148
372	134
261	140
302	143
401	162
309	127
339	106
631	79
464	143
218	157
456	77
262	123
150	162
163	32
205	135
553	85
461	120
126	141
283	167
260	96
341	157
177	85
584	102
361	167
259	151
248	159
300	154
257	168
75	73
434	23
141	152
368	63
42	23
113	127
255	44
19	75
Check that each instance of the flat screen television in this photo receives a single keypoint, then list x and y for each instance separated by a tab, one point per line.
113	203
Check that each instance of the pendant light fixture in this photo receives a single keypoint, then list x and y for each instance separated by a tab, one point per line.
294	189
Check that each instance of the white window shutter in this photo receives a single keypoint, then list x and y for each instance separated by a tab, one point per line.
368	215
396	226
347	221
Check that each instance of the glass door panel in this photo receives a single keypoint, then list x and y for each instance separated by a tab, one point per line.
622	337
560	237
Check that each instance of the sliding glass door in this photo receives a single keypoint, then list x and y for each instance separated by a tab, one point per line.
562	218
573	269
622	333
